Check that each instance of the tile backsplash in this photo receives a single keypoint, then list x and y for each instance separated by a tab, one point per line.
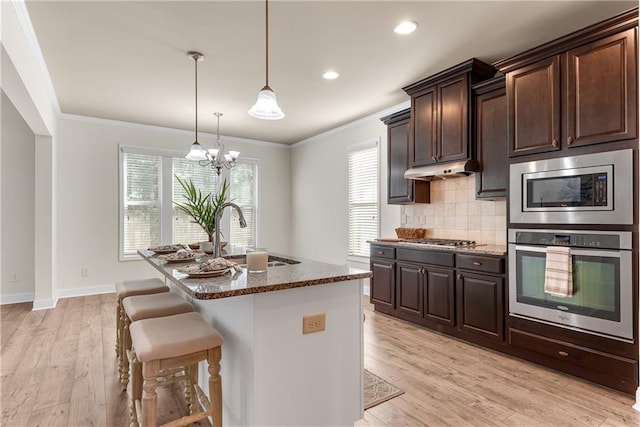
454	213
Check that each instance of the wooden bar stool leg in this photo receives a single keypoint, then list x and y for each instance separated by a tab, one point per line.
136	389
149	396
118	304
124	360
121	355
215	385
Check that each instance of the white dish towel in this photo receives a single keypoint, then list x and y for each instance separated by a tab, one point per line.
558	273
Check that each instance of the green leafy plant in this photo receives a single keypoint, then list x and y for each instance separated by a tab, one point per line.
202	207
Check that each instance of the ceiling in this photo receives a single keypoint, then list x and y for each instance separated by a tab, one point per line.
127	60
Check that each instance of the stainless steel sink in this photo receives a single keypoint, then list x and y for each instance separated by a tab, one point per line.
273	261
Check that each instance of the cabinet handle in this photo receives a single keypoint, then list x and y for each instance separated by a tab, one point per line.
380	252
477	263
563	353
554	143
459	276
421	270
569	141
434	158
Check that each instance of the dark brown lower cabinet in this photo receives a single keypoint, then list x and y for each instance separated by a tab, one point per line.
383	285
439	295
480	304
409	284
612	370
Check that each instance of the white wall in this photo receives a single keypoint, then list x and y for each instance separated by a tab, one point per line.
87	203
319	190
18	206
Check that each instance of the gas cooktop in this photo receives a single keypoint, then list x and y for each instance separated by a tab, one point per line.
444	242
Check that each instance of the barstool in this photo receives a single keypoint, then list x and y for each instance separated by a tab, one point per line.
146	307
166	350
129	288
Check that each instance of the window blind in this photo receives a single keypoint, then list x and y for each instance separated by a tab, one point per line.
363	199
244	193
141	204
149	186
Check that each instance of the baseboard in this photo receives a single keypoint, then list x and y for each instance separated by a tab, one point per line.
637	405
81	292
44	304
17	298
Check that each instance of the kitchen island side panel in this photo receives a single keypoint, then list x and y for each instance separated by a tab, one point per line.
272	374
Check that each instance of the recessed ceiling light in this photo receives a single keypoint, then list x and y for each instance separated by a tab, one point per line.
331	75
406	27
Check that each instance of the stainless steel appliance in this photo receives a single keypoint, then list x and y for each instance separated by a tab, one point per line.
448	243
602	300
587	189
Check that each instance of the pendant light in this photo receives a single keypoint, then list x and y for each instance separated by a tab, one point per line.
196	152
266	107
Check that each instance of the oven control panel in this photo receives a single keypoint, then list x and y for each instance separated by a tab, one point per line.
572	239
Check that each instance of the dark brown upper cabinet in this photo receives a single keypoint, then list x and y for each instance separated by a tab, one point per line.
401	190
490	138
601	90
575	91
442	115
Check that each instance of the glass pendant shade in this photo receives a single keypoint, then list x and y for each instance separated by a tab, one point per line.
196	152
266	107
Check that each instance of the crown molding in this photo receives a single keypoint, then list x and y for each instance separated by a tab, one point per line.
140	126
375	116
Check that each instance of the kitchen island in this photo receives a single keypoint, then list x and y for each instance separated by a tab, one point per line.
272	373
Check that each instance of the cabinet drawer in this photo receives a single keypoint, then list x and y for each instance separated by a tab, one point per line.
481	263
592	360
383	252
446	259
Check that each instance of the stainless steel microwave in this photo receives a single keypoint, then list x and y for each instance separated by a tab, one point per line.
587	189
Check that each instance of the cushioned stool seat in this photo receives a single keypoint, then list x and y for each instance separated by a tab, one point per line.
163	348
146	307
129	288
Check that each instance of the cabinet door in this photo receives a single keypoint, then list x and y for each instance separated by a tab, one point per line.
383	284
400	189
452	140
409	289
533	103
423	119
439	295
480	302
601	91
491	144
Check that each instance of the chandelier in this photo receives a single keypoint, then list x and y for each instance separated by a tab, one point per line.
214	157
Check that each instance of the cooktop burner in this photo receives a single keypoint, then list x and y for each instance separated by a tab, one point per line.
444	242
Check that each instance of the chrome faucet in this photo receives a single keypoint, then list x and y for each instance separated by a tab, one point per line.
217	248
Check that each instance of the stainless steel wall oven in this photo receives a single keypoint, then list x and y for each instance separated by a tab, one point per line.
587	189
602	300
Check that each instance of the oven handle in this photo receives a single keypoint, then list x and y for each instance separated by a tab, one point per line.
579	252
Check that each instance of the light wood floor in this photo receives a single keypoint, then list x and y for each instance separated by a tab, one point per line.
450	383
58	368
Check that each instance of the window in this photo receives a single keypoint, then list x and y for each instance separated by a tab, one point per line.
148	216
362	164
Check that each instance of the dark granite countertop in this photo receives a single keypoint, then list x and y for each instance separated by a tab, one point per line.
304	273
496	250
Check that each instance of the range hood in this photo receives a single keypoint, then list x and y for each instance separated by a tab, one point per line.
443	170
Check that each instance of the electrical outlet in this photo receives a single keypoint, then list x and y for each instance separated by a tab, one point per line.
84	272
13	277
313	323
